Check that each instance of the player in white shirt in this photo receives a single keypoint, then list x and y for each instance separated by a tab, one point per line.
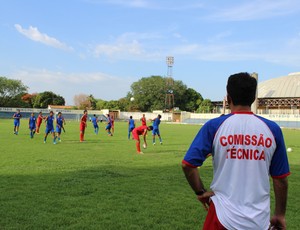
246	149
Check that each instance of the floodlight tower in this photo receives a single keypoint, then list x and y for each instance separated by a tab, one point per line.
169	100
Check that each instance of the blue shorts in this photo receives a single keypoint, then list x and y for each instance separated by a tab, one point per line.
32	127
96	126
17	123
130	129
49	130
58	129
108	127
155	132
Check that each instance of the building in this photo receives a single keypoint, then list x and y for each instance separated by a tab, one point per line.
275	96
280	95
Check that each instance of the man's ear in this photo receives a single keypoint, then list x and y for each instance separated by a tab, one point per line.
229	100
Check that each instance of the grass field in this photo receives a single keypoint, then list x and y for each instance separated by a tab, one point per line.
103	184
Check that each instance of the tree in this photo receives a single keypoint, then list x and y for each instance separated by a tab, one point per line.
150	94
205	106
42	100
11	92
193	100
29	99
92	101
82	101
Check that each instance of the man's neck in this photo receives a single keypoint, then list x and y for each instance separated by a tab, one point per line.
239	108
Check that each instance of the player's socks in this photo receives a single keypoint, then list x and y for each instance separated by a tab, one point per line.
160	140
138	147
81	137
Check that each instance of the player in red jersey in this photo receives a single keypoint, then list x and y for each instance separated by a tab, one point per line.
83	125
143	120
112	124
136	132
39	120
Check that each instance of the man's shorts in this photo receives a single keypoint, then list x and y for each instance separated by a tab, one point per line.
49	130
212	221
155	132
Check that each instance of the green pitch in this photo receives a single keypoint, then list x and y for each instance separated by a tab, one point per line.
103	184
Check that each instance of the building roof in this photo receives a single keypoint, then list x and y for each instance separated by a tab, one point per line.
282	87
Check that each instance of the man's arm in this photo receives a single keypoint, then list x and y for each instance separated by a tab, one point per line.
192	176
280	186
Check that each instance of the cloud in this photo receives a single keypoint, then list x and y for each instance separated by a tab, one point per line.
34	34
255	10
101	85
152	5
130	46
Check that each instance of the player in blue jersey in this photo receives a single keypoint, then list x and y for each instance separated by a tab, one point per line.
131	126
246	151
49	127
32	125
60	122
17	116
155	131
95	121
108	126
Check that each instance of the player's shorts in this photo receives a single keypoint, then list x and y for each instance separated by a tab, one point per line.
17	123
108	127
130	129
82	127
39	123
49	130
155	132
58	129
96	126
212	221
32	127
135	135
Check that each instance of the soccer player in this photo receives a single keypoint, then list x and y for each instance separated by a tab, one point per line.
131	126
39	122
136	132
17	116
60	122
108	126
49	127
112	125
143	120
246	150
32	125
95	123
155	131
83	125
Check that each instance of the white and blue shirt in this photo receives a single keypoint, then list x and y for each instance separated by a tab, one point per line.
246	149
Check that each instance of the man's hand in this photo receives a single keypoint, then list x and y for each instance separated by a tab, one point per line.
205	199
278	222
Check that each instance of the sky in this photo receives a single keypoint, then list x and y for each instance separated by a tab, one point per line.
101	47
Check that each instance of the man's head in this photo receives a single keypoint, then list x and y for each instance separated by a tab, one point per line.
159	116
241	89
150	127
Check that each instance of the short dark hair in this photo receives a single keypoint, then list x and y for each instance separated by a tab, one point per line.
150	127
241	88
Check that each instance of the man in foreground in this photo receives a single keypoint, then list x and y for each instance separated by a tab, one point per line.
246	149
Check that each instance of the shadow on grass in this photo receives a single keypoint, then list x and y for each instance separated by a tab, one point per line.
100	198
